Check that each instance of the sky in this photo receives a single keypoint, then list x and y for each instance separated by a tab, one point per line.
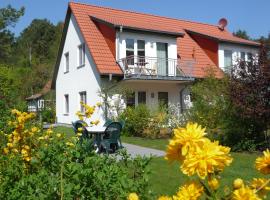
250	15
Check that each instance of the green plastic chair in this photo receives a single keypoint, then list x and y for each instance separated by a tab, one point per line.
110	141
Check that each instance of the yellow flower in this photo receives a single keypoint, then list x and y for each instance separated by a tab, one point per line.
5	150
261	185
58	135
26	147
34	129
238	183
133	196
80	129
191	191
184	141
165	198
27	158
213	183
96	122
262	163
244	193
174	151
10	145
99	104
79	134
70	144
206	159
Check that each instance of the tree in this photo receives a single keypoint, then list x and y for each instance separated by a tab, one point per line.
8	17
36	40
242	34
250	95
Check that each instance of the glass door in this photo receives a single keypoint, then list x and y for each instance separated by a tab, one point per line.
162	59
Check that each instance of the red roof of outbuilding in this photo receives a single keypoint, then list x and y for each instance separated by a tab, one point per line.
85	16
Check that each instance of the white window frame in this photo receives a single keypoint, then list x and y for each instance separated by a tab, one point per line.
66	104
66	70
81	55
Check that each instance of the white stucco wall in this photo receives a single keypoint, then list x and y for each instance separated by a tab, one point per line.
236	52
80	79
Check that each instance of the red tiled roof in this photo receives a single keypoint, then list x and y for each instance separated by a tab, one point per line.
104	58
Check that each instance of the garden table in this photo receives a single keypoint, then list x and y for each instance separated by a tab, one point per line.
98	131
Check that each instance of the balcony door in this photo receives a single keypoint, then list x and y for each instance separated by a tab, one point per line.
162	59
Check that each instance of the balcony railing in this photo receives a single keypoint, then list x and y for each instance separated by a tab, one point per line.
141	67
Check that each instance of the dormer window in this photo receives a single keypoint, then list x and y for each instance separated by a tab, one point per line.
81	55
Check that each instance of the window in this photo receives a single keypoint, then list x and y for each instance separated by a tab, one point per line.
163	99
81	49
141	51
67	62
250	56
227	60
82	100
243	54
141	97
131	100
66	103
130	51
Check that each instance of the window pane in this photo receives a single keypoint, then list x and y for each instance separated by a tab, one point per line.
66	104
163	99
81	49
67	62
131	100
227	59
82	100
141	45
141	97
243	56
130	44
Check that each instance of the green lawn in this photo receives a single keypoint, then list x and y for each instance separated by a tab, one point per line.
165	178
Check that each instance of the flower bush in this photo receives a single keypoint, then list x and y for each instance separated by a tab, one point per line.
43	164
203	161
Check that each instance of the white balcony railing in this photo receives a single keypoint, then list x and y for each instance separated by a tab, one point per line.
141	67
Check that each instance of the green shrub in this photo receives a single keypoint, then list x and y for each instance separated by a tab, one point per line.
61	168
48	115
136	119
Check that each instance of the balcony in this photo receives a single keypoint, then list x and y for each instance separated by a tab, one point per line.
152	68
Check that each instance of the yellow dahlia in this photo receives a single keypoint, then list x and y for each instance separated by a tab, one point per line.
191	191
206	159
245	193
261	185
184	141
262	163
133	196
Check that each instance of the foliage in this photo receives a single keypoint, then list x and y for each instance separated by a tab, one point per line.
203	161
242	34
8	17
136	119
47	165
210	103
48	115
250	96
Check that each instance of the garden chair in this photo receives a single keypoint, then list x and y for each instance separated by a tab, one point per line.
111	138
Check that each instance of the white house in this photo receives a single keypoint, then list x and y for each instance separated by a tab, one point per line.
156	57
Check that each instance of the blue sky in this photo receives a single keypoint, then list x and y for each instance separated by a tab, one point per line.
252	16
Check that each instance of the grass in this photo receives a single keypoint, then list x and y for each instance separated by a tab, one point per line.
165	178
